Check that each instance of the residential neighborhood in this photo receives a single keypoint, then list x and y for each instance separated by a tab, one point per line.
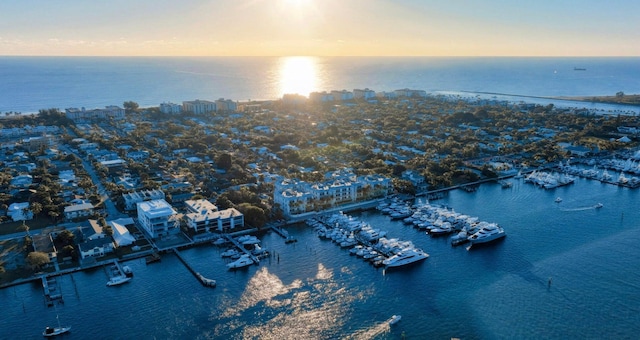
81	186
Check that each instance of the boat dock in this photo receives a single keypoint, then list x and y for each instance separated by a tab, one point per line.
203	280
51	289
239	246
285	234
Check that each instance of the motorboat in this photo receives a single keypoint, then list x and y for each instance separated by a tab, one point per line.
53	331
394	319
459	238
243	261
558	200
128	272
248	240
220	241
230	252
405	257
487	233
598	206
118	280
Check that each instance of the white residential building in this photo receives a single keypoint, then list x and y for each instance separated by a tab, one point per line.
121	235
22	181
82	114
364	94
95	247
321	97
78	210
132	199
157	218
170	108
203	216
198	106
340	187
226	105
418	181
342	95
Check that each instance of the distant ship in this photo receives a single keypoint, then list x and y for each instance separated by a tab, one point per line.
579	69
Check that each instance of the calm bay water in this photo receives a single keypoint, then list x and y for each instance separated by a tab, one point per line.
33	83
315	289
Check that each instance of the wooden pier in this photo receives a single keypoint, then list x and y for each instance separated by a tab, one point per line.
285	234
203	280
51	289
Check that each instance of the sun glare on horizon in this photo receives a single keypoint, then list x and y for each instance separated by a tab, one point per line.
298	75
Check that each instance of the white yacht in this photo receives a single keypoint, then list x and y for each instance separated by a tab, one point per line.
405	257
487	233
118	280
243	261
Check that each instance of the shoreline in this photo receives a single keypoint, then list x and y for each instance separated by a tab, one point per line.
601	99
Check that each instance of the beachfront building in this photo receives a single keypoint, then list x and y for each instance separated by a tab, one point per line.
111	111
410	93
132	199
204	216
198	106
342	95
417	180
364	94
340	187
318	97
226	105
170	108
157	218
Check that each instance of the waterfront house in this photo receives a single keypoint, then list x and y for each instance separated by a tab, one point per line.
121	235
157	218
95	247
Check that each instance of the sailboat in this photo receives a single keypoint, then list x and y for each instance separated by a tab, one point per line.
53	331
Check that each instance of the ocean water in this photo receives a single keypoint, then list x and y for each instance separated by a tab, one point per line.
33	83
313	289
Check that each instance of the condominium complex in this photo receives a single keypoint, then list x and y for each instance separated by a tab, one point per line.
82	114
339	188
198	106
204	216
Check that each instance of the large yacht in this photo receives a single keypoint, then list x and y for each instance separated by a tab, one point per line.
243	261
487	233
405	257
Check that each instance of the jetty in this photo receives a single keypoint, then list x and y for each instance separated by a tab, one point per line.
51	289
285	234
203	280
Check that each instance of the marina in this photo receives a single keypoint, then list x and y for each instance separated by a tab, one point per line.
494	280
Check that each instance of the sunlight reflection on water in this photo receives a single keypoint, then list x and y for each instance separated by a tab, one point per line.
298	75
311	310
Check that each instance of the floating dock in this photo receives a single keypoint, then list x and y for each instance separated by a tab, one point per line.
285	234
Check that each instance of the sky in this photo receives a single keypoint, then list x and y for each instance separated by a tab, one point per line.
320	27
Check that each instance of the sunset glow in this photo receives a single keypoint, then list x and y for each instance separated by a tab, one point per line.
298	75
320	28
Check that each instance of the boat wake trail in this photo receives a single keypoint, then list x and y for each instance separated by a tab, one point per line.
581	208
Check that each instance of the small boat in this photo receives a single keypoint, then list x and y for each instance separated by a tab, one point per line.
230	252
220	241
394	319
290	239
558	200
118	280
598	206
127	271
53	331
